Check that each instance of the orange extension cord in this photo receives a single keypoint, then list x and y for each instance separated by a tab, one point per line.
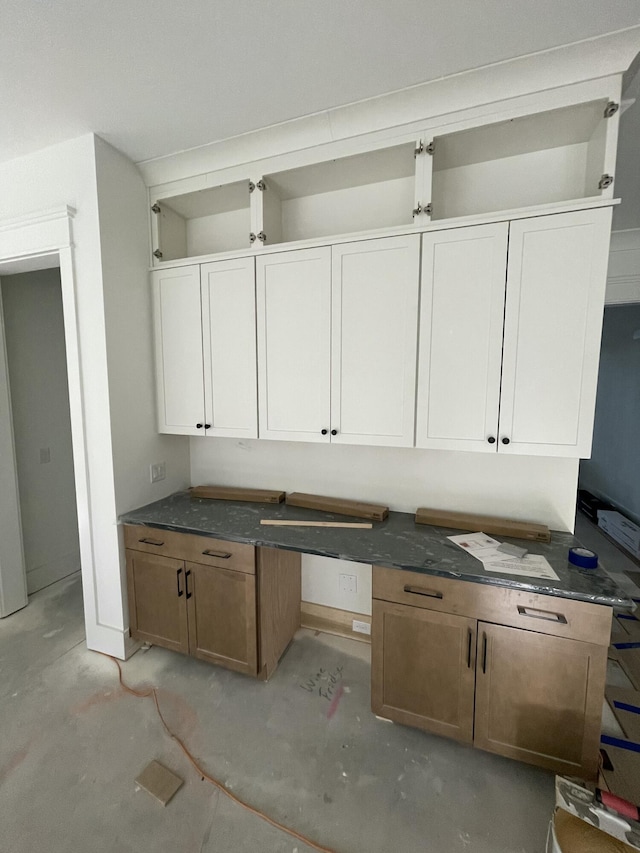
151	692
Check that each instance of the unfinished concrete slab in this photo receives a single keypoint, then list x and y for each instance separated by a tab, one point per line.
303	747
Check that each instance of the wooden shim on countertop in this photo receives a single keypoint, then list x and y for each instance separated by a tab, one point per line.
234	493
283	522
485	523
340	506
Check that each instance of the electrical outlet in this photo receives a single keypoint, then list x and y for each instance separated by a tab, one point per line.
158	471
361	627
45	455
348	583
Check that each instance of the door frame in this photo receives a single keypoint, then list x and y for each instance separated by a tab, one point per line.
40	241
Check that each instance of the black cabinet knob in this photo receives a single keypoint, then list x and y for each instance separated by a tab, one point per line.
324	431
505	440
198	426
334	432
207	426
492	439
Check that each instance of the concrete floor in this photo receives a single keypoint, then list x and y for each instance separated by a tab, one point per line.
73	742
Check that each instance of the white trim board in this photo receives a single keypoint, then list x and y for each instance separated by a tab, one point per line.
547	70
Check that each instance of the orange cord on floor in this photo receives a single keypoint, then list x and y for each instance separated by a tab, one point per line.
152	693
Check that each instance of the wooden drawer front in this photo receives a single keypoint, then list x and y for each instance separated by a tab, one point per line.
545	614
187	546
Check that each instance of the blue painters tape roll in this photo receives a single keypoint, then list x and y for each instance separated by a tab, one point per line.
583	557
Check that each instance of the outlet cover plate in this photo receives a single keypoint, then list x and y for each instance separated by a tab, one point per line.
158	471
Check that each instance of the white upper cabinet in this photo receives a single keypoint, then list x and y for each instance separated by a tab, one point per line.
374	338
362	192
555	156
204	221
178	345
555	300
229	339
461	319
527	388
294	344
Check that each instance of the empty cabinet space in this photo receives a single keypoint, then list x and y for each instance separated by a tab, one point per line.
553	156
365	191
216	219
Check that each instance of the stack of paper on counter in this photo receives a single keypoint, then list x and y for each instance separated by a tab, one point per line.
485	549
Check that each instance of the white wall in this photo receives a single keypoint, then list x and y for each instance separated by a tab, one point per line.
520	487
34	334
66	174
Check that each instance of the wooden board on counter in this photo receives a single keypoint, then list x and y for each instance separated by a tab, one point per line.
485	523
340	506
234	493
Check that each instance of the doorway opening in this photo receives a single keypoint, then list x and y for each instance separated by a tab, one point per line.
38	394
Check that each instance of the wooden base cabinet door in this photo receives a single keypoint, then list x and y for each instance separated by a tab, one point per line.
157	609
423	669
222	617
539	698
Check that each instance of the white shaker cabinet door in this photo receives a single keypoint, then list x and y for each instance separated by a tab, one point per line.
294	344
461	325
178	346
553	319
229	341
375	287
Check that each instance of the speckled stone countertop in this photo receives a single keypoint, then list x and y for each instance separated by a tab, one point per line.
398	543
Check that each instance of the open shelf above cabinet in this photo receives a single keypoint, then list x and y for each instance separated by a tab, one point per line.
554	156
216	219
376	189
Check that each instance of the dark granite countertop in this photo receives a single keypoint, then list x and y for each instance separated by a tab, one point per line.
398	543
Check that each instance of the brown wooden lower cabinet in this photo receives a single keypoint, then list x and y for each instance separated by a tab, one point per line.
239	610
521	692
423	668
539	698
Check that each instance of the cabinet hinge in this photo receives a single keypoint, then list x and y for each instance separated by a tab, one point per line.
262	237
155	208
428	209
252	186
430	147
611	109
605	181
417	151
157	254
252	237
261	186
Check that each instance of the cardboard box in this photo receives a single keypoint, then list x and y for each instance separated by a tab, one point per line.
621	529
578	798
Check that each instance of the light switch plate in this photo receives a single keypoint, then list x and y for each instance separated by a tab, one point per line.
158	471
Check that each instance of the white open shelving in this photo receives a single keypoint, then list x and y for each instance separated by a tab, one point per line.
553	156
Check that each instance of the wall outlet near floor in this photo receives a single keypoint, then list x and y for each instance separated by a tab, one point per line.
348	583
158	471
361	627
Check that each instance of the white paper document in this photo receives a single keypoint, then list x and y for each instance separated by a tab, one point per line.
485	549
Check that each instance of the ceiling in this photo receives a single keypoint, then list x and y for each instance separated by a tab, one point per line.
153	78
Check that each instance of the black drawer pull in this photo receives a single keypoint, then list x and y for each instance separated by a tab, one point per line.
151	542
187	575
533	613
418	590
484	653
178	573
222	555
469	649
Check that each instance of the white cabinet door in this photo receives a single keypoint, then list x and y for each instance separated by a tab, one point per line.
461	323
555	299
294	344
374	341
229	340
178	345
